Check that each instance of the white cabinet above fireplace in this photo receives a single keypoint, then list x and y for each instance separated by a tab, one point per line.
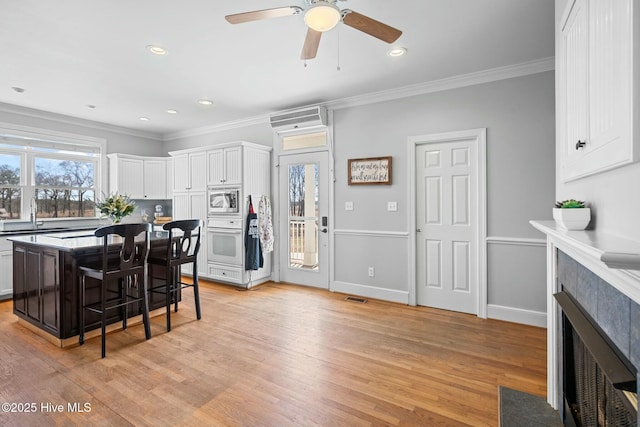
597	80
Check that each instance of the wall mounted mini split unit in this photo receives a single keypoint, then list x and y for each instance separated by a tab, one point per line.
303	118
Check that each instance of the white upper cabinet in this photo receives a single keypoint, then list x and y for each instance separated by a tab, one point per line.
155	182
190	171
181	180
127	176
138	177
596	87
225	166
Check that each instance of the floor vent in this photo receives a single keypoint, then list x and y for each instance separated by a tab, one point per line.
356	299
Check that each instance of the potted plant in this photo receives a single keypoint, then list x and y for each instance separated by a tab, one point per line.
116	207
572	214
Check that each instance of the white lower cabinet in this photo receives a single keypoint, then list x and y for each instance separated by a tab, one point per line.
225	273
6	267
193	205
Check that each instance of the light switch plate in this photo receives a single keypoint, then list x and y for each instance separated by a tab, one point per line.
392	206
348	206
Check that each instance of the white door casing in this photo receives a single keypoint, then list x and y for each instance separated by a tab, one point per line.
448	215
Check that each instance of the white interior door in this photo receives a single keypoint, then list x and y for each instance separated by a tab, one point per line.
447	222
304	247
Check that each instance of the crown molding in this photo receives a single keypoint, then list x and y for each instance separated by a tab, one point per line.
463	80
480	77
205	130
75	121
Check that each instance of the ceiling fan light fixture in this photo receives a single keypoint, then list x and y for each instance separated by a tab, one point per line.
322	16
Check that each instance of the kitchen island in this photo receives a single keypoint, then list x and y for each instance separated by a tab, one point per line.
46	284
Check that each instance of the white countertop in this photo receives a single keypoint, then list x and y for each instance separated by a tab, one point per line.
72	240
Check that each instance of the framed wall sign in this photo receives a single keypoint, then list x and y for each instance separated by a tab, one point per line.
373	170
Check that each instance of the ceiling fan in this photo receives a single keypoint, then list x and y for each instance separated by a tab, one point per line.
321	16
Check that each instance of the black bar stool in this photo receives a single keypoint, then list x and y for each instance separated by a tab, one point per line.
182	248
128	269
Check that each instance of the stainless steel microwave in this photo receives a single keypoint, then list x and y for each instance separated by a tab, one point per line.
224	200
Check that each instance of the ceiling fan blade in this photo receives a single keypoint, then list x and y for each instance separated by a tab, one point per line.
257	15
311	43
370	26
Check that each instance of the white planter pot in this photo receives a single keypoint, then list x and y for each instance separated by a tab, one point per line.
572	218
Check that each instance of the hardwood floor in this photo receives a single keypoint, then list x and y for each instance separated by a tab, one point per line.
278	355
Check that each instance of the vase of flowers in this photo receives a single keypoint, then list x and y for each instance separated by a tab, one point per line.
116	207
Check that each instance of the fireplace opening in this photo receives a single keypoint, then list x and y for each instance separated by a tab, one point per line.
600	387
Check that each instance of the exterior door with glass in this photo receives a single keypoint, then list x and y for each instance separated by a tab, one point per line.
304	186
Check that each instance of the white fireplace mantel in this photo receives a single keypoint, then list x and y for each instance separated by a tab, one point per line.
616	260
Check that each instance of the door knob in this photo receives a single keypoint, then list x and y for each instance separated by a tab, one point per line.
418	230
324	230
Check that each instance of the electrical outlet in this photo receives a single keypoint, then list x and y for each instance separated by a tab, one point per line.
348	206
372	272
392	206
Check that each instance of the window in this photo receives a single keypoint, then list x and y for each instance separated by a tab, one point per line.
54	176
304	140
10	188
64	188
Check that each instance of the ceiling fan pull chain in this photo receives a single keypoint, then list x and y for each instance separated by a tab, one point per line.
338	67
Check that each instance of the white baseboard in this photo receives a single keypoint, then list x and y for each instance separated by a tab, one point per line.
391	295
517	315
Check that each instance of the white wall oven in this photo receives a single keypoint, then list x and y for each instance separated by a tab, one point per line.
225	241
223	200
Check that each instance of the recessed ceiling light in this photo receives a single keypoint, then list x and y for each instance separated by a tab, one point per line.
18	89
157	50
144	119
205	102
398	51
172	111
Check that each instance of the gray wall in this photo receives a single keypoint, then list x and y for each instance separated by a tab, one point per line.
258	133
613	196
519	116
119	140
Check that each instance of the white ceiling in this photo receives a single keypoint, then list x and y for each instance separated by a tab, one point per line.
71	53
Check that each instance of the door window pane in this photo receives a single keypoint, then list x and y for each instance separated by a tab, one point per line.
303	216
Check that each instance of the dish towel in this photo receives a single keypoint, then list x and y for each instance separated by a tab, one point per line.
265	226
253	257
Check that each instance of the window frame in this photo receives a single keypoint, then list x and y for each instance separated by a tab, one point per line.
42	138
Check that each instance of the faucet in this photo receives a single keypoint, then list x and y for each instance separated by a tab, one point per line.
33	216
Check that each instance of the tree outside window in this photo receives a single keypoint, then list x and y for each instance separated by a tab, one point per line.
64	188
10	190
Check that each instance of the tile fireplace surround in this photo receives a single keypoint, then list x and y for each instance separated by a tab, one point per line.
602	273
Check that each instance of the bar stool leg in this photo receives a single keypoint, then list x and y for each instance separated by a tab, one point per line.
82	310
176	286
167	294
124	284
103	317
145	305
196	291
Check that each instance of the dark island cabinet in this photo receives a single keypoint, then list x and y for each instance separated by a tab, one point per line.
38	297
46	288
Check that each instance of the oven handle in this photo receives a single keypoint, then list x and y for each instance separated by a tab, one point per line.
225	230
